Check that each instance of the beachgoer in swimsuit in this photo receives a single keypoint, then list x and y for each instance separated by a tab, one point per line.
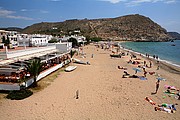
150	101
163	109
145	73
150	64
157	85
170	106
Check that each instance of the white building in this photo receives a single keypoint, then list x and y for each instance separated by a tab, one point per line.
3	33
23	40
78	38
13	38
40	40
12	35
33	40
64	47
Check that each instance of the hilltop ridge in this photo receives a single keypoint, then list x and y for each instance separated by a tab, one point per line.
130	27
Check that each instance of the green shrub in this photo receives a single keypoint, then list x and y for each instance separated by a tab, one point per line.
19	95
53	41
96	39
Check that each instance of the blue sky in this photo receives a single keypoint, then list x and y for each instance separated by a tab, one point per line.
22	13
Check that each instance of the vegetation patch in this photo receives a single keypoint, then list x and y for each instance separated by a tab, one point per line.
19	95
46	81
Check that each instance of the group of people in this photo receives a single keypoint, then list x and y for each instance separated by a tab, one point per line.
169	108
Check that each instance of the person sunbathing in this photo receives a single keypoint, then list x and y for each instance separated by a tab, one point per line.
171	87
163	109
119	67
178	95
169	91
126	73
150	101
170	106
130	61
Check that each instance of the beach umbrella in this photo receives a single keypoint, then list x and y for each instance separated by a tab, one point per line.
136	70
160	78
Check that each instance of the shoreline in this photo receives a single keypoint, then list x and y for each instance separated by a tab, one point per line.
150	57
162	63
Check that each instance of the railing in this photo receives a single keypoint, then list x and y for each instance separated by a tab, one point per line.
18	53
24	52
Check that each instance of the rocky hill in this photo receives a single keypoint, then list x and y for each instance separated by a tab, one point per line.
131	27
12	29
174	35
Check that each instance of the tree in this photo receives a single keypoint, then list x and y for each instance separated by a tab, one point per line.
34	68
7	41
88	39
53	40
3	39
74	42
96	39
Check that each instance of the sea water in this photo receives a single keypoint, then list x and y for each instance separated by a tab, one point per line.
166	51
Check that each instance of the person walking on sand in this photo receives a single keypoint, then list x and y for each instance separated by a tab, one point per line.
145	73
150	64
144	63
92	55
157	68
157	86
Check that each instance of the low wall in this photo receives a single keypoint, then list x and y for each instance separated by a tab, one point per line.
9	86
44	74
3	55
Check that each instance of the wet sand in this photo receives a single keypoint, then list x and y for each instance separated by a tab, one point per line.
102	93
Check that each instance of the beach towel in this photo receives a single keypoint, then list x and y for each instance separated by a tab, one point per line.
159	78
142	78
169	93
170	87
151	73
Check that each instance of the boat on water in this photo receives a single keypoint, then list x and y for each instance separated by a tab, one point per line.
173	45
70	68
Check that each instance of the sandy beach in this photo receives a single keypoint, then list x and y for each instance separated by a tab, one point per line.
103	93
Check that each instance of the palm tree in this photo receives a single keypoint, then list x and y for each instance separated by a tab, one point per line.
34	68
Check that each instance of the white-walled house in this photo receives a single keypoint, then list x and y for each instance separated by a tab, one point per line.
33	40
12	35
23	40
13	38
3	33
40	40
64	47
78	38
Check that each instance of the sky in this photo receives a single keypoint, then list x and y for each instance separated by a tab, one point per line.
23	13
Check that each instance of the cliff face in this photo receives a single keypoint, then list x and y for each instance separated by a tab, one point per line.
130	27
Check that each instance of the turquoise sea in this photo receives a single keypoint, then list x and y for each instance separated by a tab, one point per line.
164	50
